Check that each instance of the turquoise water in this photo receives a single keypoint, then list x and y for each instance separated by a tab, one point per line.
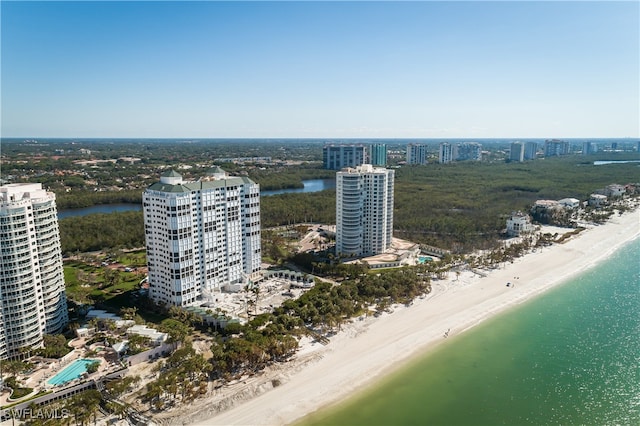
423	259
569	357
73	371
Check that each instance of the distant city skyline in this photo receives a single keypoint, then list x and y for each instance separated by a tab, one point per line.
320	69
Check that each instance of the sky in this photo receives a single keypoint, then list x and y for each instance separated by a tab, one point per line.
419	69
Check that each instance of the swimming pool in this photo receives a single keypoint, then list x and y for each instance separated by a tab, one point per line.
71	372
423	259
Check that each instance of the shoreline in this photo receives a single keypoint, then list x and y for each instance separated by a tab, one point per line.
370	349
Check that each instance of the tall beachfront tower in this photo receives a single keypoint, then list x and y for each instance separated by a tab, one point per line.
416	153
364	210
339	156
32	292
202	236
379	154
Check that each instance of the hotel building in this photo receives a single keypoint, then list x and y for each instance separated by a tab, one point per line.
32	290
364	210
202	236
416	153
338	156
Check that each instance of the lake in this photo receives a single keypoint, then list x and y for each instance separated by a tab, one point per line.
311	185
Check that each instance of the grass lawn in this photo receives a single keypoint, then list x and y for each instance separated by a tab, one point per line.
89	284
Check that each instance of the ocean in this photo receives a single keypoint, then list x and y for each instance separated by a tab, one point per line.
568	357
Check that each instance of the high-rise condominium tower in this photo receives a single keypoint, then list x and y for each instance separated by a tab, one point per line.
202	236
459	152
555	147
379	154
416	153
339	156
364	210
32	292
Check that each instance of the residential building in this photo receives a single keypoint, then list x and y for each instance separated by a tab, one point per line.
556	147
597	200
364	210
459	152
378	154
517	152
469	151
518	224
202	236
32	290
589	148
614	190
339	156
530	150
522	151
448	153
569	203
416	153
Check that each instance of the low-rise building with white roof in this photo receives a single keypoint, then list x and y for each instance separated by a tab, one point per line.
597	200
569	203
154	335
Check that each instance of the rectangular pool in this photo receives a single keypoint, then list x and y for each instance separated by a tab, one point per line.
73	371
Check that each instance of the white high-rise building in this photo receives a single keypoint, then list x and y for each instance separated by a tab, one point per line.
201	236
416	153
364	210
32	292
448	153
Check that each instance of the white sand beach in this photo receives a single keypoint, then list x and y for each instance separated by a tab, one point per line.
366	350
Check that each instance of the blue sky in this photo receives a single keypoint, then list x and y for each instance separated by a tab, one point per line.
320	69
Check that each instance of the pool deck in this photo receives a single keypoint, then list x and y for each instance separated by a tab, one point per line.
38	378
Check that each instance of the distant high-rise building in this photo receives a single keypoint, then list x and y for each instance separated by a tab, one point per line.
521	151
469	151
517	152
201	236
460	152
379	154
589	148
364	210
339	156
416	153
638	147
556	147
32	291
447	153
614	146
530	150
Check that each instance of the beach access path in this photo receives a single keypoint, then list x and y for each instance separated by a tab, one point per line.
366	350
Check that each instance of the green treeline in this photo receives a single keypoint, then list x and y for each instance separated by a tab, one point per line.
289	177
102	231
463	206
460	206
81	199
